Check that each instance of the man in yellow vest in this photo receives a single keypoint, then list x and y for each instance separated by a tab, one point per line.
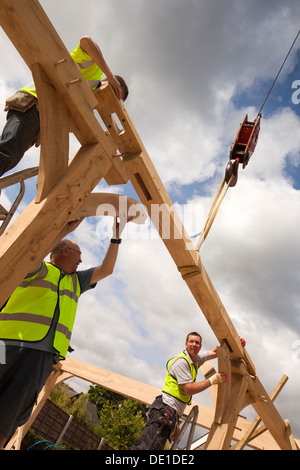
23	124
179	387
36	325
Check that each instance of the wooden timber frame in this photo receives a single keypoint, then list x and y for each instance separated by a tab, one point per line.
118	155
245	433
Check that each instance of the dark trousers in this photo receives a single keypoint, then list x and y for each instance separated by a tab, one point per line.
162	420
19	133
21	379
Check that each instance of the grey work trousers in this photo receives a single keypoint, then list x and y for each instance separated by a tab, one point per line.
162	420
21	379
19	133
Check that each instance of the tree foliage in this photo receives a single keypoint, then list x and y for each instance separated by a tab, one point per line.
120	425
121	419
100	396
76	408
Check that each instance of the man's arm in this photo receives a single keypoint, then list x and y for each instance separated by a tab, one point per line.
107	267
212	354
196	387
89	46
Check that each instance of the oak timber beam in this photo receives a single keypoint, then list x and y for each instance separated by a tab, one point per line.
57	76
54	134
227	409
108	108
270	416
223	393
136	390
208	300
230	399
114	205
153	195
117	121
264	406
208	371
250	432
30	237
33	35
146	394
221	433
164	216
292	441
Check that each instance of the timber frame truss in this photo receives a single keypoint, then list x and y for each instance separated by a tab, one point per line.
64	193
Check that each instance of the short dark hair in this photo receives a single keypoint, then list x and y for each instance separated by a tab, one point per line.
194	333
123	85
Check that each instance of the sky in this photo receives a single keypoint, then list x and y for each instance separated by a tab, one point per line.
194	69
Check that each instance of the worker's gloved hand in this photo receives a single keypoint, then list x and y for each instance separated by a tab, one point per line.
218	378
243	342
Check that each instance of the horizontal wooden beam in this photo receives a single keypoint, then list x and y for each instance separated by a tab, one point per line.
146	394
114	205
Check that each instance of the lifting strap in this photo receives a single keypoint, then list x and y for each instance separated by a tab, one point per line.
213	211
232	167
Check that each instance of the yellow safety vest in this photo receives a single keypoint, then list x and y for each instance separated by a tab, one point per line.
88	68
30	89
171	386
28	314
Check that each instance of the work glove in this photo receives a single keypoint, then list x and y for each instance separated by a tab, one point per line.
218	378
243	342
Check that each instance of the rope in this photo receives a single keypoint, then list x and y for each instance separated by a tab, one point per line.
215	207
259	112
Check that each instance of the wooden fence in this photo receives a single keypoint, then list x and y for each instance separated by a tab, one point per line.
55	425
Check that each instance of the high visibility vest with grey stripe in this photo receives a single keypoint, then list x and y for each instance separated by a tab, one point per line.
28	314
171	386
89	70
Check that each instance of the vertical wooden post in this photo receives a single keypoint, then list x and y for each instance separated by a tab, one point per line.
221	433
223	391
54	134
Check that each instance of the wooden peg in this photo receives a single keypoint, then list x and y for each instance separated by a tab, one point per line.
73	82
60	62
